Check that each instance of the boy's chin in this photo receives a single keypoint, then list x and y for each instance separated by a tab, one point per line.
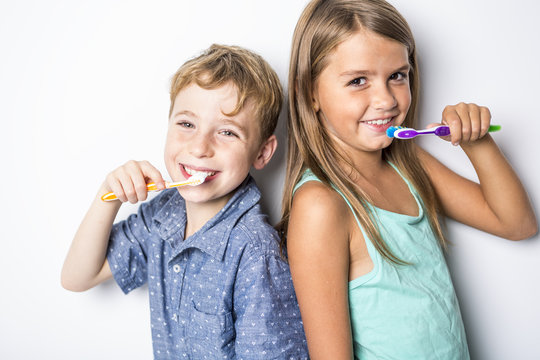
205	199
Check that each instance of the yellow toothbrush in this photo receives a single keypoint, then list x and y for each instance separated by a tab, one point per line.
192	181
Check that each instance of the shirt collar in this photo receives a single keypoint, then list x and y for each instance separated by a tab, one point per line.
213	237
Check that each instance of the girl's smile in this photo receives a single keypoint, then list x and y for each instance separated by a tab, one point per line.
363	91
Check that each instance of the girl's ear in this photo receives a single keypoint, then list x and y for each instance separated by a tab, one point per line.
315	104
315	100
265	152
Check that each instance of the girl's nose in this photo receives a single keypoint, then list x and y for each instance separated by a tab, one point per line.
383	98
201	146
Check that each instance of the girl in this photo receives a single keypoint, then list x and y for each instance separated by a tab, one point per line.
361	210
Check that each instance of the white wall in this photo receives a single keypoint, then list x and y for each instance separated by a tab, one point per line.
83	88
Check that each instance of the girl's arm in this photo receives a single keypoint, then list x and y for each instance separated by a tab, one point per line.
318	249
498	204
86	264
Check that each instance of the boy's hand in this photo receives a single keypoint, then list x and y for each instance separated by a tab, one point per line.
128	182
467	122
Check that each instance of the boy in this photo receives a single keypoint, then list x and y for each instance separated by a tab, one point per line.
218	287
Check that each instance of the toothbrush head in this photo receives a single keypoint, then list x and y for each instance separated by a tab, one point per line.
197	179
392	129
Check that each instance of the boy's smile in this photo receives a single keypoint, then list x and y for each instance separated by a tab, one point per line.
202	138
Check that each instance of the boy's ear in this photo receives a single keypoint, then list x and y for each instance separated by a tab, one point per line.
265	152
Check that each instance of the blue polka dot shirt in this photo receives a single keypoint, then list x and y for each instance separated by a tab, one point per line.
223	293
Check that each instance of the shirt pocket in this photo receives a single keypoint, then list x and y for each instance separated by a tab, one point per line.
210	335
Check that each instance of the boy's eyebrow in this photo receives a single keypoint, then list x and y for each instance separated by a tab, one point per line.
225	121
230	121
405	67
184	112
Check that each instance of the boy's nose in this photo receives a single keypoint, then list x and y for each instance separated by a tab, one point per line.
201	146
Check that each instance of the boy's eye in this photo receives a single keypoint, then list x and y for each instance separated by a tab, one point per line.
228	133
358	81
185	124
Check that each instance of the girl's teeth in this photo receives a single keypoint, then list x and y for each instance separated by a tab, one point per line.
378	122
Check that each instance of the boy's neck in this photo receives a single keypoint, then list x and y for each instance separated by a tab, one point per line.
198	214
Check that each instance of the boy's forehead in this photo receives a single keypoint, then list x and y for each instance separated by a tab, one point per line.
196	101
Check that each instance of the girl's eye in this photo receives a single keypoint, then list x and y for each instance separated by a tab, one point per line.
358	81
398	76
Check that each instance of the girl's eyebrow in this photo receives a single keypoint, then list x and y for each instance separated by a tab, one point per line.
348	73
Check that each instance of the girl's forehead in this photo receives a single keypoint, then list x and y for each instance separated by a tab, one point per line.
367	47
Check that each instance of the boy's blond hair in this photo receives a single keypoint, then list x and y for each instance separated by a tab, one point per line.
253	78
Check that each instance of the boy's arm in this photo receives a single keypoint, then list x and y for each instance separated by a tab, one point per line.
85	265
498	204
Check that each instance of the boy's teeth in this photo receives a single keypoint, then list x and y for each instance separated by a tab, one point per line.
195	172
379	122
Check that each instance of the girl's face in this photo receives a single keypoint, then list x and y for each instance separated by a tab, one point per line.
363	91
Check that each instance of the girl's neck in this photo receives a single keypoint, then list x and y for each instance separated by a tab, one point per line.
368	164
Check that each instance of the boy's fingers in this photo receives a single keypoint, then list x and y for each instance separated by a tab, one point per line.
152	174
129	181
116	187
128	188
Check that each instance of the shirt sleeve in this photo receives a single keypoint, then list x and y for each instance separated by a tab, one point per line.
127	250
268	323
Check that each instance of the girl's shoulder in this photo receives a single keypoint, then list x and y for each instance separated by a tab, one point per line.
319	203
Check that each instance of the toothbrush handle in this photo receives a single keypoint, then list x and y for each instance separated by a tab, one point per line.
110	196
445	130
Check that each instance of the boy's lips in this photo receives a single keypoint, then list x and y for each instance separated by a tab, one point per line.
189	171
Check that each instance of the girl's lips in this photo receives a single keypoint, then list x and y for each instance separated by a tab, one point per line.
373	125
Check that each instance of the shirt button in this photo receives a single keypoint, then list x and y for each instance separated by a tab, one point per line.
176	268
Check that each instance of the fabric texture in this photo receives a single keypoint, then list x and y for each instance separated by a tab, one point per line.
222	293
405	311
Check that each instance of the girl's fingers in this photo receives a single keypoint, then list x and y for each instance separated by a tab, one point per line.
485	120
467	122
474	122
464	112
452	119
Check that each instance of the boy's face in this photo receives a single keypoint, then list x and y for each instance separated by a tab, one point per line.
200	138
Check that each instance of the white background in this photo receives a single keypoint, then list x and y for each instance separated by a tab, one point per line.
84	88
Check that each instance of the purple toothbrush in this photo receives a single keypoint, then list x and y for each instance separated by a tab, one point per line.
400	132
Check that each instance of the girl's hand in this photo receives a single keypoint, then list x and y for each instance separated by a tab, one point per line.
467	122
128	182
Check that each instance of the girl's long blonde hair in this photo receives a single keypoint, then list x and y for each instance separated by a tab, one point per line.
323	25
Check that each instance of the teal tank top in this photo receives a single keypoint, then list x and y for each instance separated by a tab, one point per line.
404	311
